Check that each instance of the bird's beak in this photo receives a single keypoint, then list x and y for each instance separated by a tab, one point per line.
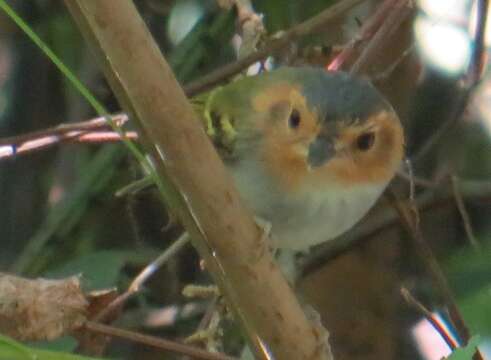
321	150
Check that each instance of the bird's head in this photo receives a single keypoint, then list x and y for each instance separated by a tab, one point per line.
325	128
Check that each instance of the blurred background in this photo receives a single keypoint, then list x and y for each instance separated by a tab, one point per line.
59	215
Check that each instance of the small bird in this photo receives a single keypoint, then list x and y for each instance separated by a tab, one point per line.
310	150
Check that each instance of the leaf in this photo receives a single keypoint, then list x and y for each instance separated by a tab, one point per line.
469	273
99	270
467	352
13	350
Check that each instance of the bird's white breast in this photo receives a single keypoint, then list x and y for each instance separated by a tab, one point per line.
307	217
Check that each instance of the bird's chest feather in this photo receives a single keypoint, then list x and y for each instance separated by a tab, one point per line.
307	217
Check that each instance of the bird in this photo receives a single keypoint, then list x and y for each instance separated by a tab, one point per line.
310	150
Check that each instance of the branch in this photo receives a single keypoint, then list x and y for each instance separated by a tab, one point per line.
153	341
369	28
401	11
195	183
421	309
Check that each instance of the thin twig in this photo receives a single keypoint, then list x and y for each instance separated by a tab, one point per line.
156	342
90	131
98	123
381	76
366	32
478	54
428	315
400	11
463	213
416	180
142	277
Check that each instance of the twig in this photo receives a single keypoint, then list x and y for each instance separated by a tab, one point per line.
368	29
310	26
156	342
463	213
99	137
409	167
478	54
420	308
390	69
416	180
401	10
469	83
142	277
98	123
91	131
410	220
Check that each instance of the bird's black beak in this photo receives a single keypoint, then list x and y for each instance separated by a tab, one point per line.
321	150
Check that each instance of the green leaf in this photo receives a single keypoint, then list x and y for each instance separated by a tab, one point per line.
467	352
469	273
13	350
99	270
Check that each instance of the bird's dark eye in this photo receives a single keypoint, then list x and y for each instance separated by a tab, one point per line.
365	141
294	119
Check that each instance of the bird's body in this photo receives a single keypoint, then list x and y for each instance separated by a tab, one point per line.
310	151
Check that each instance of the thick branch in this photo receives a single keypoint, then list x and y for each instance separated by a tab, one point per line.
200	191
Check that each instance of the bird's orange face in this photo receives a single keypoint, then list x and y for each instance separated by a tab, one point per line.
302	151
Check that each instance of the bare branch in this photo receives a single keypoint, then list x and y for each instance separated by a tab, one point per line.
400	11
420	308
156	342
463	213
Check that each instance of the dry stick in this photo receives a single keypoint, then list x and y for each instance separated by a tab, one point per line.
400	11
195	183
98	123
369	28
470	81
156	342
420	308
308	27
390	69
90	131
463	213
409	218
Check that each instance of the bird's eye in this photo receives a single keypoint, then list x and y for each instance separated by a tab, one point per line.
365	141
294	119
